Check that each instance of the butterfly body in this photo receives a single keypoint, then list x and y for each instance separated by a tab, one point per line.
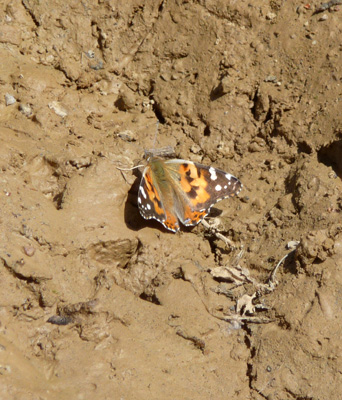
179	190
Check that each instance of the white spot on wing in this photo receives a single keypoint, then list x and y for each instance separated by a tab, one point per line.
148	206
212	172
228	176
139	200
218	188
143	192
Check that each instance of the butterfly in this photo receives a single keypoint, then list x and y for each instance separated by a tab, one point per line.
174	190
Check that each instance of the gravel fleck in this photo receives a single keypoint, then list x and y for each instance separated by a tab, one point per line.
9	99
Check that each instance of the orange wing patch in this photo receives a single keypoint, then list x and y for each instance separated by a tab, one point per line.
171	222
153	195
194	183
193	217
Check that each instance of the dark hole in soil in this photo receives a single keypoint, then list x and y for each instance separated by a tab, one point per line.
207	131
331	156
151	298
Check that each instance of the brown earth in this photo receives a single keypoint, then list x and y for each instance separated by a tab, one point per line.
136	312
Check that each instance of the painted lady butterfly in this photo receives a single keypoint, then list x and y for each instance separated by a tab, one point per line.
178	190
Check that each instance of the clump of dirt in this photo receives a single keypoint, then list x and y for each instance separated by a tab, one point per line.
96	300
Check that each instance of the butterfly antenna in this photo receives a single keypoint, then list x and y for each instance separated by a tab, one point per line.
130	169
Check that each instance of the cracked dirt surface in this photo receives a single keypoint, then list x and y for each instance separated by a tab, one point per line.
98	303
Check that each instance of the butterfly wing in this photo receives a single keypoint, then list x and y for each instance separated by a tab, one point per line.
154	200
198	188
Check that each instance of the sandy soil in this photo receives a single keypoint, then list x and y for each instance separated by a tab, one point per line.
96	302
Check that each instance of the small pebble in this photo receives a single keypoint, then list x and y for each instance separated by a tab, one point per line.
324	17
81	162
59	320
126	100
90	54
127	136
29	251
97	66
146	104
25	109
225	85
58	109
270	16
292	244
326	301
255	147
5	369
195	149
338	247
259	203
252	227
271	78
9	99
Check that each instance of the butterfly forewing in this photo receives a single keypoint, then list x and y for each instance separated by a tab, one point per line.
200	187
221	185
204	186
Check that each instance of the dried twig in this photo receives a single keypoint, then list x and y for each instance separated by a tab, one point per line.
244	318
219	236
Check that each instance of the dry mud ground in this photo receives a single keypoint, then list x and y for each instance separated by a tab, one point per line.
134	311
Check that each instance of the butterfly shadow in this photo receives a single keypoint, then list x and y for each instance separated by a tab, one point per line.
133	219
